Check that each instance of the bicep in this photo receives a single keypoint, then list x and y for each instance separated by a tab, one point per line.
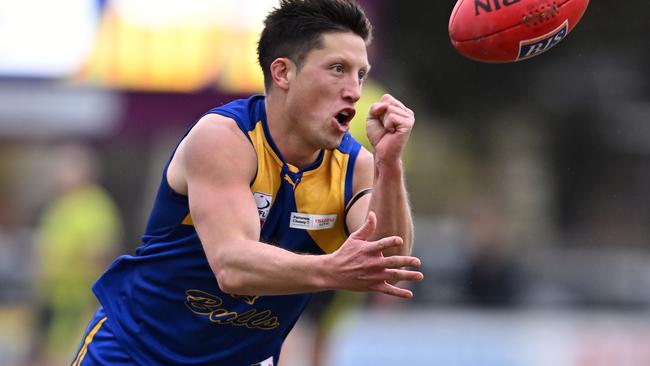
362	191
219	164
222	214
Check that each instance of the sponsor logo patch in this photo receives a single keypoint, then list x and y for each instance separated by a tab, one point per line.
311	221
533	47
263	202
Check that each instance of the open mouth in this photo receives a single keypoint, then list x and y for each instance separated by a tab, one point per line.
345	116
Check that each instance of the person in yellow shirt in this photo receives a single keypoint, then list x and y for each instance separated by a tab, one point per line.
78	234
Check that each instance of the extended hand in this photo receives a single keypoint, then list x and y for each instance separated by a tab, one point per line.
389	126
359	265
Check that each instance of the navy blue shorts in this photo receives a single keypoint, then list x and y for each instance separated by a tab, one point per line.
99	346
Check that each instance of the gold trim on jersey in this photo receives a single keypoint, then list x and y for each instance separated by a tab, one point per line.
89	338
188	220
322	192
269	165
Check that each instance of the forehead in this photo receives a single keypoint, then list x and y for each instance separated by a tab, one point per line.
345	46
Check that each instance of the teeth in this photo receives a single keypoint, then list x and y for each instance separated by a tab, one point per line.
345	113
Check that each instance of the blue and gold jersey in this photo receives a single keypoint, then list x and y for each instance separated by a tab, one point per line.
164	303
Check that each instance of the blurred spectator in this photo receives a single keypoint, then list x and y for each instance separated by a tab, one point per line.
323	313
78	235
491	276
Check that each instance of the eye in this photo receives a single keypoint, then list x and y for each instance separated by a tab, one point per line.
362	76
337	68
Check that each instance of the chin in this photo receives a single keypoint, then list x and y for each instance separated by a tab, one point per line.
333	143
329	141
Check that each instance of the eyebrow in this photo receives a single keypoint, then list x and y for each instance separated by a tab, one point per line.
343	60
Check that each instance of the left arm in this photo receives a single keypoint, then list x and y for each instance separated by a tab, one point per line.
389	126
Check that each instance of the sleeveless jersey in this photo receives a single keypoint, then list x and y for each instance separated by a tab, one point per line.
164	303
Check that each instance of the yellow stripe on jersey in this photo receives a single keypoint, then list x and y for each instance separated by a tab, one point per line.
269	165
188	220
322	192
89	338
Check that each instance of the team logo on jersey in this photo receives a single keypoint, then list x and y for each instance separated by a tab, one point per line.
267	362
311	221
211	306
250	300
263	202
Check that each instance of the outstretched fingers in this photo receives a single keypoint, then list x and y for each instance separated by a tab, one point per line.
391	290
399	261
393	276
384	243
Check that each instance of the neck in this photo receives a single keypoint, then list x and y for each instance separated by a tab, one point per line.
282	126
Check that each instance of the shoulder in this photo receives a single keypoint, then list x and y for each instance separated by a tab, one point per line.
213	128
245	112
216	140
365	157
363	170
215	148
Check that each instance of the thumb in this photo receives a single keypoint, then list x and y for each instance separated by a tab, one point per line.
377	109
367	228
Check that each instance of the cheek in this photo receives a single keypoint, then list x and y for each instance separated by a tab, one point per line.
311	101
313	97
314	90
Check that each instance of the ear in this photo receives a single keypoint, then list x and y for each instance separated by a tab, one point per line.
282	71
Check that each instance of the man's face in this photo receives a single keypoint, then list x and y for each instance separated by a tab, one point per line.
322	95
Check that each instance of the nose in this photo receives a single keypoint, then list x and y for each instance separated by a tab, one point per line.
352	89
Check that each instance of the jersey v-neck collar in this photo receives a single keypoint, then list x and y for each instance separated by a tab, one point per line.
269	139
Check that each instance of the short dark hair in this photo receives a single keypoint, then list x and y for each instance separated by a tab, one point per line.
297	26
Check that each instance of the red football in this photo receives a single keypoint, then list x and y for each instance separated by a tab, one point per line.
511	30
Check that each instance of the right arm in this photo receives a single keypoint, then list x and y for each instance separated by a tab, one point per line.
213	166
